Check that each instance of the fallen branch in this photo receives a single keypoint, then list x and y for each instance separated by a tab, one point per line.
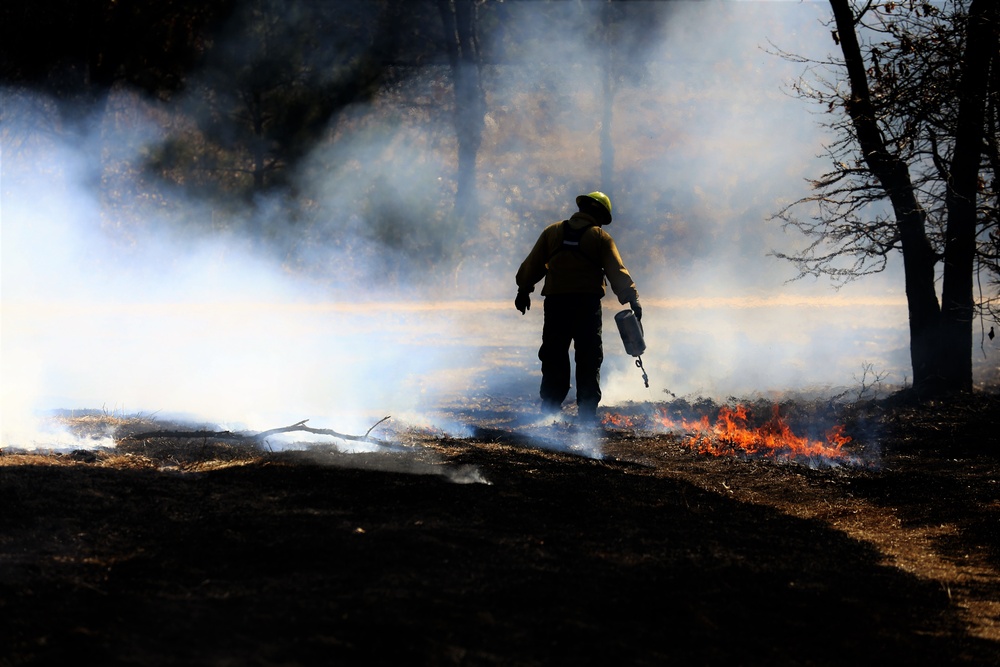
258	437
300	426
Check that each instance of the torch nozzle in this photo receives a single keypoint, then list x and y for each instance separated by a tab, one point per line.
645	378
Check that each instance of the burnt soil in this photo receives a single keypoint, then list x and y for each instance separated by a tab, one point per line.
491	550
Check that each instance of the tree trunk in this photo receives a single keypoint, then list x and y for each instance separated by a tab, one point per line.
458	17
957	298
608	101
894	176
258	142
607	144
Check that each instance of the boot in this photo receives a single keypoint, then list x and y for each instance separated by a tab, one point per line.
550	408
587	413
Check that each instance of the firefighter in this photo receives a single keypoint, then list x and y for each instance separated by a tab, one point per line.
576	257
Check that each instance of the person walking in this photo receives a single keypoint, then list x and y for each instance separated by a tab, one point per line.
576	257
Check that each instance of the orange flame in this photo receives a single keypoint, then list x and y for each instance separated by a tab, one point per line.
733	434
619	420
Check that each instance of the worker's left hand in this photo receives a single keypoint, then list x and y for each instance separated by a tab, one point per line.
636	308
522	301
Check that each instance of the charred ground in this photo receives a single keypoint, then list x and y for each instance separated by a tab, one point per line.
492	550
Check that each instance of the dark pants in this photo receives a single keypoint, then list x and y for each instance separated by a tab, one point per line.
572	318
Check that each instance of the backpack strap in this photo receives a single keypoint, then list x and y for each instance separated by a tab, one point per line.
571	242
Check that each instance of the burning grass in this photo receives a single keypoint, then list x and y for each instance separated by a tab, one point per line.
816	433
813	433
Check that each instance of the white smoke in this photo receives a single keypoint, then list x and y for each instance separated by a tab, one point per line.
201	326
380	302
708	145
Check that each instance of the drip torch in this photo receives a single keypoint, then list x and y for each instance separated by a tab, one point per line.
631	332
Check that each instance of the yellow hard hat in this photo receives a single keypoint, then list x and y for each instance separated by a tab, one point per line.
599	197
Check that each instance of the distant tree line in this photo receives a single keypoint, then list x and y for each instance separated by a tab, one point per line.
250	87
269	75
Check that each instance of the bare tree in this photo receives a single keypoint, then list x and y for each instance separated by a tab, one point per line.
914	131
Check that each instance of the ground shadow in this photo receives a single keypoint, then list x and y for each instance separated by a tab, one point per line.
558	560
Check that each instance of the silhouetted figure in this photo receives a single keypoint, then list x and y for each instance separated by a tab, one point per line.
576	257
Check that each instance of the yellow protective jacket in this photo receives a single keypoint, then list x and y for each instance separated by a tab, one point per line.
577	270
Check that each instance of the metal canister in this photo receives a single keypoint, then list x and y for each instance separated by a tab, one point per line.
631	331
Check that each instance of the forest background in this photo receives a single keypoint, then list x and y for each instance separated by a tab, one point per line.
216	207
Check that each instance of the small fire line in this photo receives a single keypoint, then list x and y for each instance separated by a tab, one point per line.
732	434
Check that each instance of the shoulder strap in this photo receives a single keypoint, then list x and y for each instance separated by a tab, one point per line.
571	241
571	237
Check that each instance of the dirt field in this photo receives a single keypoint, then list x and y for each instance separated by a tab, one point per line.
492	550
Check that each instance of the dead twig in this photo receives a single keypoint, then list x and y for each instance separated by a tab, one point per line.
376	424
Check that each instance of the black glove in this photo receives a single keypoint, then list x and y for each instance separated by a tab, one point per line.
637	309
522	301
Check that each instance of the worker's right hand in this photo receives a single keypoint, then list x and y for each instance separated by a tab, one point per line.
522	301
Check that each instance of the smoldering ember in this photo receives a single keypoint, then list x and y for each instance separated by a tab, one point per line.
288	288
